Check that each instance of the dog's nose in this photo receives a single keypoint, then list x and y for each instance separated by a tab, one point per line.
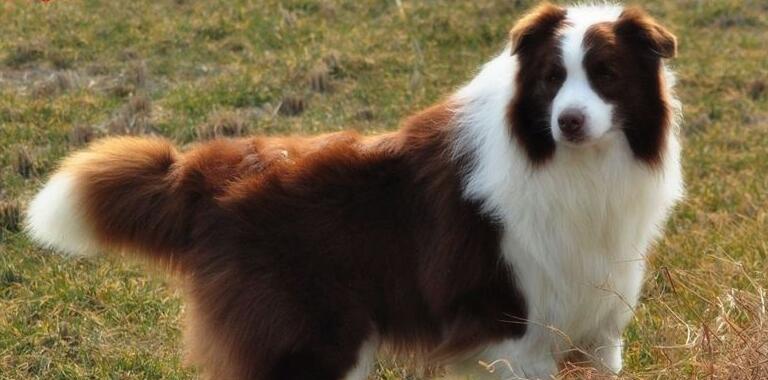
571	122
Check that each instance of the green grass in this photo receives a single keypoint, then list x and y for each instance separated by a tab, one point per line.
82	64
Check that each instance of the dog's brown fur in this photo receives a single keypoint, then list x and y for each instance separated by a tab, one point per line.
295	251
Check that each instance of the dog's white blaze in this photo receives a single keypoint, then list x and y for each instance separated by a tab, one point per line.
576	229
54	218
576	92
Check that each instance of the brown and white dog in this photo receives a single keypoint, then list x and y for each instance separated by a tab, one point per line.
511	221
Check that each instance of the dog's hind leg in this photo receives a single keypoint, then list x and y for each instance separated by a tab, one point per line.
366	358
327	362
283	349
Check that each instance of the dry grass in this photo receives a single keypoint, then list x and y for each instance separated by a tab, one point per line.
25	163
320	79
55	84
74	70
10	216
224	123
292	105
23	53
81	135
134	118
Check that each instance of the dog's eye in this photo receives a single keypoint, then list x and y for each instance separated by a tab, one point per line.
605	73
555	76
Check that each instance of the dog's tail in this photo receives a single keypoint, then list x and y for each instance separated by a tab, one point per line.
137	195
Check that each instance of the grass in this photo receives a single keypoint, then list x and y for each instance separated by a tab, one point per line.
74	70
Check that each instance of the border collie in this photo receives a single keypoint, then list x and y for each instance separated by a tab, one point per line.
510	221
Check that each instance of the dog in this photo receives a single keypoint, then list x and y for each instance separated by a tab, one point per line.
509	221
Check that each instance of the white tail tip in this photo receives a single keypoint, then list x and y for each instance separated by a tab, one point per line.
55	218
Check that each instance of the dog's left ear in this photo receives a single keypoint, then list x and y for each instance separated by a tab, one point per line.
535	26
639	28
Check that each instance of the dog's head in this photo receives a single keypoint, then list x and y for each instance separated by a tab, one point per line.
587	73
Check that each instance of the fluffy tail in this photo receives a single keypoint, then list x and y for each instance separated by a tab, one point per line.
131	194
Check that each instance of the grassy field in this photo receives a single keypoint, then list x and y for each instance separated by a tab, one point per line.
74	70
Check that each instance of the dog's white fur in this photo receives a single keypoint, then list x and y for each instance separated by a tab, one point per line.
365	360
53	219
577	229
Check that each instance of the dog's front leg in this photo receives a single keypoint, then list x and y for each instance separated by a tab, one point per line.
605	352
525	358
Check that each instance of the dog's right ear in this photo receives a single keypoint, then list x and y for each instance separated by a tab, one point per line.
639	28
537	25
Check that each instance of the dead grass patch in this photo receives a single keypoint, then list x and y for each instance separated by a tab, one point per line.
132	80
25	52
81	135
10	215
223	123
292	105
57	83
134	118
25	162
320	79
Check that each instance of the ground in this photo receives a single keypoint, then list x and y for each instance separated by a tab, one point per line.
75	70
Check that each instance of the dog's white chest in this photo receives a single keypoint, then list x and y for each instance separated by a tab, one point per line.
576	235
